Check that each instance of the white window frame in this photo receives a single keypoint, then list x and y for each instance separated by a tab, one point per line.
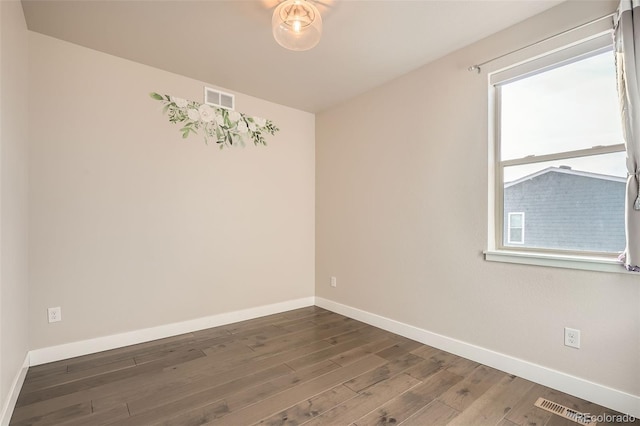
509	227
596	41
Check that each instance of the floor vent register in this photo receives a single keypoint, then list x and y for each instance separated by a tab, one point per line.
562	411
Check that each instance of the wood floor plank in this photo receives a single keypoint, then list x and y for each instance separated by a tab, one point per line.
424	369
293	326
426	351
223	351
112	416
309	408
45	407
115	355
346	358
318	318
434	414
496	403
404	406
222	373
367	333
304	323
39	371
261	399
525	413
462	367
114	376
399	349
324	354
505	422
384	372
216	401
359	406
58	416
465	393
211	387
68	377
263	333
445	359
265	390
270	406
348	331
272	356
120	388
297	338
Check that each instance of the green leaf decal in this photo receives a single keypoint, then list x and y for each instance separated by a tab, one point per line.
225	126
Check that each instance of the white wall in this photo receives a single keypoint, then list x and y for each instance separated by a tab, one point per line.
13	195
401	221
131	226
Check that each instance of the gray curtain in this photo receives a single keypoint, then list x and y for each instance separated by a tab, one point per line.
627	44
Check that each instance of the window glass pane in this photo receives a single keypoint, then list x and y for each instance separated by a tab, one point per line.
516	235
571	107
575	204
515	220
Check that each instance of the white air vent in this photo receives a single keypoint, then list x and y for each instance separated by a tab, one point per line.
562	411
218	99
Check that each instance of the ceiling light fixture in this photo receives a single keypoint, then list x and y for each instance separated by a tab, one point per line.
297	25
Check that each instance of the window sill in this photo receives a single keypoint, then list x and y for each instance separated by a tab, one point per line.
599	264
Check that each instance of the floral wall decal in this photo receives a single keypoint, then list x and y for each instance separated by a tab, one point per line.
225	127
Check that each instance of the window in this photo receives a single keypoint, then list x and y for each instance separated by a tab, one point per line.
559	153
515	228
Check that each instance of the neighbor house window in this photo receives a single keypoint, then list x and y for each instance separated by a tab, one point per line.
559	153
515	228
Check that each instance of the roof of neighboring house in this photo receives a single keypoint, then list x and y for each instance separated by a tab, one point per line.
568	171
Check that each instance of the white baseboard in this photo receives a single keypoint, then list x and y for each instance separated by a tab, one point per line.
14	391
98	344
599	394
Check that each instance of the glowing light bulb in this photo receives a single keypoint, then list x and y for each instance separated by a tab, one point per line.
296	24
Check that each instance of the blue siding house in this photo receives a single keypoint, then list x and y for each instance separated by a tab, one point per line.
561	208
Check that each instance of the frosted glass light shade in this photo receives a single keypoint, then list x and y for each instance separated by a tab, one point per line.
297	25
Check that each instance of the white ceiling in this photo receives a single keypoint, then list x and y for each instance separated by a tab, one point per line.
229	43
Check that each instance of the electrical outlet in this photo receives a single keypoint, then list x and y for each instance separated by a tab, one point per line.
55	314
572	337
334	282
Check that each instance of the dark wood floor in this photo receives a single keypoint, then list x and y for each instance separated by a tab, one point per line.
308	366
